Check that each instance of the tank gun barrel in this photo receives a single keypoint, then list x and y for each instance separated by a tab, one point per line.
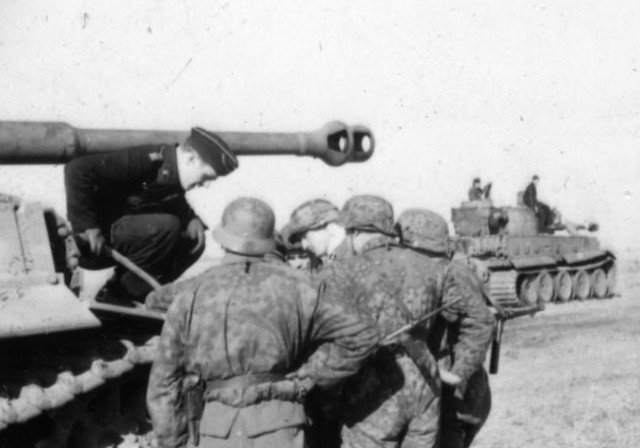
24	142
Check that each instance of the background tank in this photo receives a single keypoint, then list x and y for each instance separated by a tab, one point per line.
73	372
522	267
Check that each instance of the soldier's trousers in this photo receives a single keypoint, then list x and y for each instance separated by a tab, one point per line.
396	408
153	242
463	418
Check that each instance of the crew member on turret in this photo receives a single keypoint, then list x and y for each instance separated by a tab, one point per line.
477	192
134	201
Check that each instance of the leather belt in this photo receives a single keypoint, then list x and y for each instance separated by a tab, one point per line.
244	381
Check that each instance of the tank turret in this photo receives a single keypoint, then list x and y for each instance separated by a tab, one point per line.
25	142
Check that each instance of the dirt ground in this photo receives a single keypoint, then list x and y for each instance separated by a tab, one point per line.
570	376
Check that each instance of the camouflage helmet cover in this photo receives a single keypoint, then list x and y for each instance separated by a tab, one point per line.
311	215
368	212
247	227
424	229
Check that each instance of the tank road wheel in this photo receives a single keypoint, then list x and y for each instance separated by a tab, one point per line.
599	284
612	280
581	285
529	290
546	291
563	286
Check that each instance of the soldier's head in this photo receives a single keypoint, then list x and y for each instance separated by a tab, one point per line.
535	179
315	224
247	227
365	217
202	157
476	182
292	253
423	229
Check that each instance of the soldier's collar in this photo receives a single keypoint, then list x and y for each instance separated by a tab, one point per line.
234	258
168	171
378	242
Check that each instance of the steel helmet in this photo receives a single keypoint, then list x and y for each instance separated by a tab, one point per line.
247	227
368	212
311	215
424	229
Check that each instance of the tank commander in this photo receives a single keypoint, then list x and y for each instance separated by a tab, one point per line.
316	226
240	328
466	400
134	200
477	192
544	213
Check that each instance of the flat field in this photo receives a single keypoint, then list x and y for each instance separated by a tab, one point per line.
570	376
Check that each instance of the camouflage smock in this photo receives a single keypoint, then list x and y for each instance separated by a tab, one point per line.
251	317
389	403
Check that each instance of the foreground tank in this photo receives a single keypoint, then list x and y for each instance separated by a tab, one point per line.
522	267
69	376
74	371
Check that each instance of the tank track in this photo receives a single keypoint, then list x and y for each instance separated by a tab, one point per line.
502	287
63	405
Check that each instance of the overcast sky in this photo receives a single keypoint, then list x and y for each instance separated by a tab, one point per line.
452	90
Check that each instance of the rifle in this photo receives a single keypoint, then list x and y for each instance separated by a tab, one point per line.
391	337
503	315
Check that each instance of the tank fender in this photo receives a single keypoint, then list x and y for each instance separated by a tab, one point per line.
582	257
533	262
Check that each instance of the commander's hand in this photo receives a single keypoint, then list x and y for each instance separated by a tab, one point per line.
195	231
96	240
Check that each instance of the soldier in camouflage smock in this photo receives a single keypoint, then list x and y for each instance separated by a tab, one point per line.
466	399
393	402
247	328
315	226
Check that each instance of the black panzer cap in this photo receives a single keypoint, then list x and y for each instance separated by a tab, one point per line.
213	150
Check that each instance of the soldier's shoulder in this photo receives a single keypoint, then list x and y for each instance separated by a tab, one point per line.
404	256
354	270
463	273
